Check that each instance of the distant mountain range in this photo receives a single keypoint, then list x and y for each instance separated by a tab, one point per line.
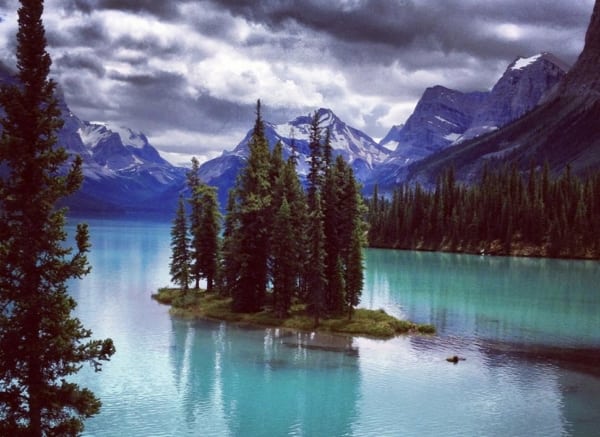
535	112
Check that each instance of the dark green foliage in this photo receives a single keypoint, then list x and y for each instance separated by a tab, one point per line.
204	229
354	273
194	184
288	234
180	269
252	221
207	254
304	243
283	267
316	278
41	344
229	265
508	212
315	174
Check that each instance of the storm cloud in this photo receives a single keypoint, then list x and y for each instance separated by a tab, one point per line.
188	73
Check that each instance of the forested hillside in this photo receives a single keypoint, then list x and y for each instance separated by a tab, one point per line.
506	213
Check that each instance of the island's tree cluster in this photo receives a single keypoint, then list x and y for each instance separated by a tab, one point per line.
281	243
195	247
306	245
506	212
41	343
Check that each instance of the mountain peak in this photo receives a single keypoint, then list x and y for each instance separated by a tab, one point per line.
522	63
92	131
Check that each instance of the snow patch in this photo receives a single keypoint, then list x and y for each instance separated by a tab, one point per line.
443	120
452	137
391	145
524	62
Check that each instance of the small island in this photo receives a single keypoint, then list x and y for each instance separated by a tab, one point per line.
290	254
213	306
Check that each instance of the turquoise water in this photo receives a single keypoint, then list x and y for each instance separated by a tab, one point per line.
528	328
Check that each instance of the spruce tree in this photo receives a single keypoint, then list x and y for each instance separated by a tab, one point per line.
354	273
194	184
315	173
230	260
333	216
283	263
41	343
253	192
208	236
316	278
204	229
296	199
180	252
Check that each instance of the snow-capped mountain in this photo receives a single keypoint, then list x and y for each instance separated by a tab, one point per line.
445	117
357	148
122	170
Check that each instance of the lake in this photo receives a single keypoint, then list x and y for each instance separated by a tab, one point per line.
529	330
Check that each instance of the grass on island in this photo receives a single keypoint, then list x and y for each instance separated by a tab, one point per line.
364	322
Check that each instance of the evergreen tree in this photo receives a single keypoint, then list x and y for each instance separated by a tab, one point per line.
194	185
254	195
230	261
204	229
283	263
41	343
208	235
315	175
180	253
354	273
333	216
315	273
505	212
296	198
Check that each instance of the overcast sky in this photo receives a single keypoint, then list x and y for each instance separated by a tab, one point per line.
188	73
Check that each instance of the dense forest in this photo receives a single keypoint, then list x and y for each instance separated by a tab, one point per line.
506	213
281	243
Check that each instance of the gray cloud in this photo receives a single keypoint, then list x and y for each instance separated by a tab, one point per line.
191	70
81	62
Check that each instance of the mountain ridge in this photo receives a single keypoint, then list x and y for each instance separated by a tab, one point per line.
562	131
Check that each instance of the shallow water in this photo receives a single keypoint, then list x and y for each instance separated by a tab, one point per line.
529	331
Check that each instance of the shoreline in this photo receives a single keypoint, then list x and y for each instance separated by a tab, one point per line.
376	324
528	252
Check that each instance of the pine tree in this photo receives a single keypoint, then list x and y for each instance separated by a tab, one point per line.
208	235
315	273
283	263
354	273
41	343
180	253
296	199
253	192
230	261
315	176
194	185
333	216
204	229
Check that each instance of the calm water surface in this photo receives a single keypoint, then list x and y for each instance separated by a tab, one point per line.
529	330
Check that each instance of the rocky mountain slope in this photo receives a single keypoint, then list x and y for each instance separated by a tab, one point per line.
445	117
563	130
